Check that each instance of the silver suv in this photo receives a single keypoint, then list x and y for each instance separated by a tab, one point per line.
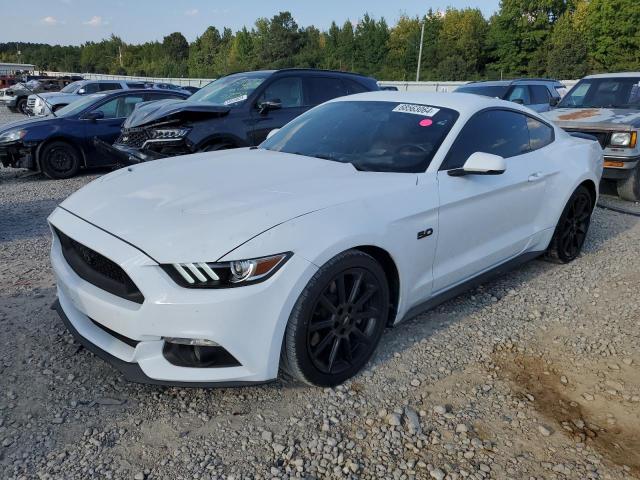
539	94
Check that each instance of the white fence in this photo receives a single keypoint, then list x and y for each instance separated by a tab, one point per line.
428	86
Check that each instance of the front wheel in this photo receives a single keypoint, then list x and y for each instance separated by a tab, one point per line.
59	160
572	228
337	321
629	188
21	106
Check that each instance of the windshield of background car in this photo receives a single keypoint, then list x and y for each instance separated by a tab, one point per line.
71	88
229	91
76	107
622	92
494	91
373	136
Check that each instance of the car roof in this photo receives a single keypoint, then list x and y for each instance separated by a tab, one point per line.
614	75
464	103
101	81
495	83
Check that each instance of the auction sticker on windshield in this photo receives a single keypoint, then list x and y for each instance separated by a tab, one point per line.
421	110
239	99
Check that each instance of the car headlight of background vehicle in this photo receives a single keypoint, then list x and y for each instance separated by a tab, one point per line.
169	133
623	139
12	136
226	274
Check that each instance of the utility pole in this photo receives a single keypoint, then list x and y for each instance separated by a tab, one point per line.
420	53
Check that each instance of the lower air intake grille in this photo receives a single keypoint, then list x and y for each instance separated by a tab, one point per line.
98	269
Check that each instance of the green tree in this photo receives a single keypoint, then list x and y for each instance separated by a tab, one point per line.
176	54
370	45
403	47
461	44
567	50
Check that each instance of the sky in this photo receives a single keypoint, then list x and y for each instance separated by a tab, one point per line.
135	21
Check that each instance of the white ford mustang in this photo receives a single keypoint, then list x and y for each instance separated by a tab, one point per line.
220	268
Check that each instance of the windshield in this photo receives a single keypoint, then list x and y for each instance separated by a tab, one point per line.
373	136
622	92
78	106
231	90
71	88
495	91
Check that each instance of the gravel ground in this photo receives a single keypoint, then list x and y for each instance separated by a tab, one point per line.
532	376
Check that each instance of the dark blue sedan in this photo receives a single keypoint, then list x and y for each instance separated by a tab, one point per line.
61	144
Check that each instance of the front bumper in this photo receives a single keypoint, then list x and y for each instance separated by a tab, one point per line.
623	169
248	322
17	155
125	155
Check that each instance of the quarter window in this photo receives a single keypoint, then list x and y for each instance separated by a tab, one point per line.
499	132
109	86
540	135
287	91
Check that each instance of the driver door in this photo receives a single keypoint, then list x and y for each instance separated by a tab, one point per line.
289	93
485	220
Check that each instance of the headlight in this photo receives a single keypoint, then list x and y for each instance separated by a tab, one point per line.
169	133
623	139
227	274
12	136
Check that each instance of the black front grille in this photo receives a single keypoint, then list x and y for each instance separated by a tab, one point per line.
98	269
133	138
603	137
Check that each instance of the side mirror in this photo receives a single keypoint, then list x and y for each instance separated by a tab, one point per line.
95	115
519	101
268	105
553	101
272	133
481	163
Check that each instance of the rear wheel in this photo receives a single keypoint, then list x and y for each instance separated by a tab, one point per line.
572	227
59	160
337	321
629	188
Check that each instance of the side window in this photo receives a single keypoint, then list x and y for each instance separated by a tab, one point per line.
499	132
540	135
287	91
135	84
539	94
520	92
322	89
109	86
90	88
354	87
120	107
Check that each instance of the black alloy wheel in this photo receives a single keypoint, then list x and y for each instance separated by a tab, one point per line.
573	226
59	160
22	106
338	320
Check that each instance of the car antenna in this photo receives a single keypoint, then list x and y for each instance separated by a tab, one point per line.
24	85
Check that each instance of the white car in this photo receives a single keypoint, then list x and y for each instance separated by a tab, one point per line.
220	268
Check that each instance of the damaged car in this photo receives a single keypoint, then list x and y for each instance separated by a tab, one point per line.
62	144
607	107
238	110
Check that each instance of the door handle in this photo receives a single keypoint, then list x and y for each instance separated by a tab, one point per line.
534	177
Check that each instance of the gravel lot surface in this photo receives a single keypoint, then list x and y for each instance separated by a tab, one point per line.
535	375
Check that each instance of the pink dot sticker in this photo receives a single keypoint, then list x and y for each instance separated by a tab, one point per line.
426	122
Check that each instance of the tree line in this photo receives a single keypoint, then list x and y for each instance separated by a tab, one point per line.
552	38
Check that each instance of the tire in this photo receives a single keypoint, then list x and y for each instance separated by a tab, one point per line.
59	160
332	330
571	231
629	188
21	106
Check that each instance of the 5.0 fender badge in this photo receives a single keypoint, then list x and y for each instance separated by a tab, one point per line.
425	233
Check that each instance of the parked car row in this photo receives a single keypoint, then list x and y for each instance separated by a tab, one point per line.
16	96
241	109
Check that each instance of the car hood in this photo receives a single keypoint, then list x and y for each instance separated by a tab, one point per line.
199	207
26	123
595	118
53	98
170	109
